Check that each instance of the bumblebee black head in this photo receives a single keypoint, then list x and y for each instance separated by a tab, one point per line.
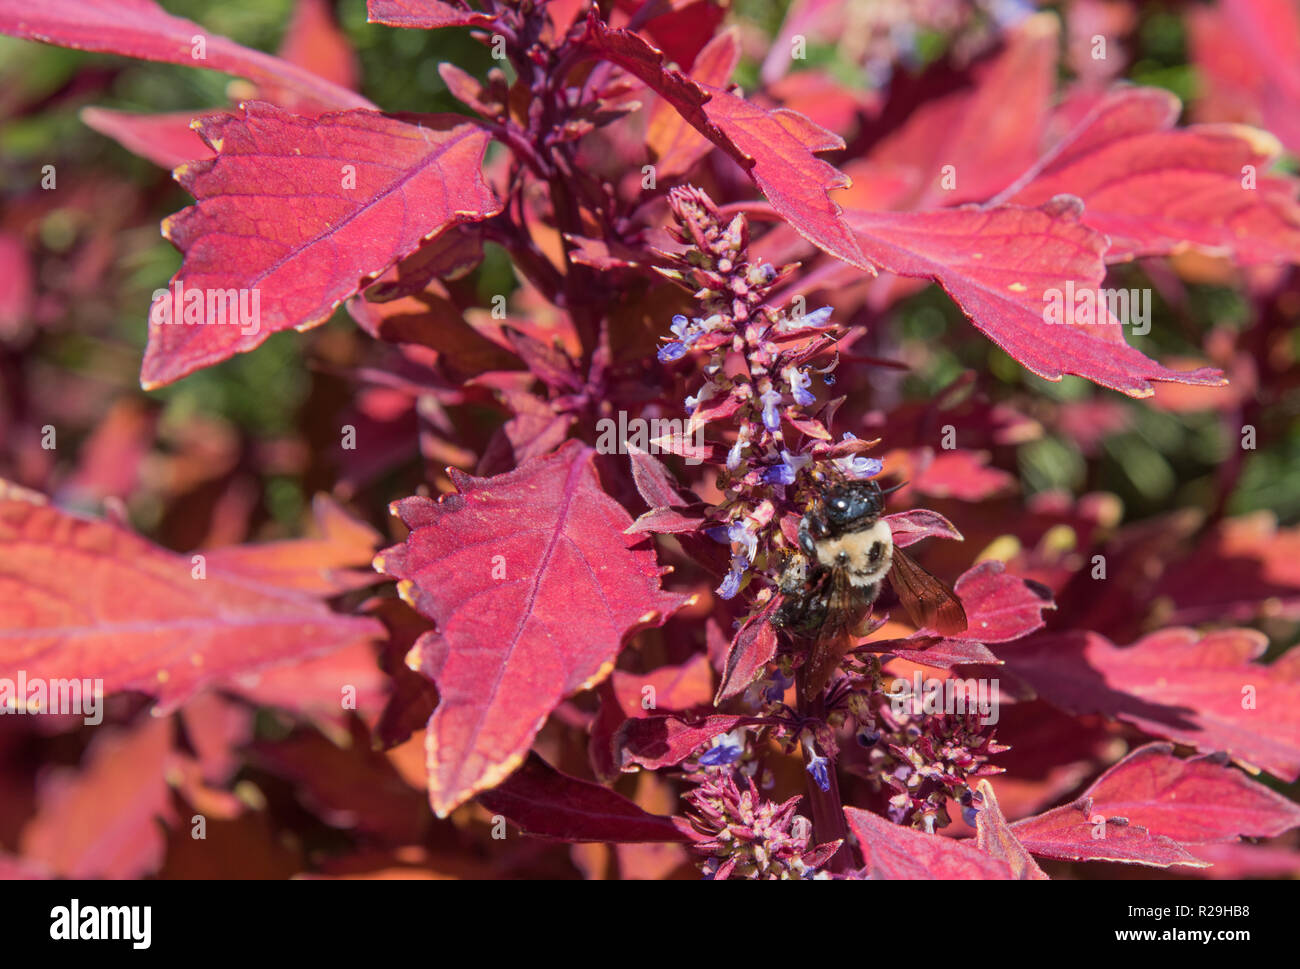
850	505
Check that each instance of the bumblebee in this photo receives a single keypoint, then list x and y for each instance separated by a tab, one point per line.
828	588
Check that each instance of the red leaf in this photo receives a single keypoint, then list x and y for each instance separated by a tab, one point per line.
961	474
1156	191
276	217
891	851
17	284
100	820
316	565
751	650
994	835
424	14
1248	52
655	742
997	264
141	28
1195	801
1178	685
1163	803
64	614
675	142
1001	607
167	140
774	147
909	527
510	649
314	40
546	803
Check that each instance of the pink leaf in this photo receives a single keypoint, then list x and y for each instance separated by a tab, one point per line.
167	140
141	28
299	213
1200	691
1155	190
664	741
999	264
534	587
184	624
424	14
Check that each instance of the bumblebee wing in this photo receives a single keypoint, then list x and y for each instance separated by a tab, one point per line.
930	604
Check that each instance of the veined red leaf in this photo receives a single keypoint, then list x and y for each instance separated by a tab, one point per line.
1202	691
141	28
296	214
63	614
675	142
1195	801
1080	832
891	851
1000	266
534	587
547	803
424	14
775	148
1156	190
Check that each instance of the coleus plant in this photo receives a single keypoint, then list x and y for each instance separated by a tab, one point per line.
721	267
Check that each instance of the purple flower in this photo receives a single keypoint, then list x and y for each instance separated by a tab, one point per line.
815	318
818	767
672	351
742	533
734	455
771	416
720	755
778	474
799	384
858	466
731	584
780	683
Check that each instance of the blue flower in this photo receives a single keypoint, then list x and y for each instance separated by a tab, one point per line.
771	416
742	533
776	692
858	466
778	474
799	384
672	351
720	755
818	767
679	325
969	815
731	584
816	318
734	455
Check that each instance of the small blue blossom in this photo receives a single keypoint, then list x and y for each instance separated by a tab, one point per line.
771	416
776	692
859	467
969	815
742	533
818	767
778	474
734	455
816	318
679	325
731	584
799	384
720	755
672	351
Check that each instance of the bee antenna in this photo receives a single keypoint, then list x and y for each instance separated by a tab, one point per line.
891	490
